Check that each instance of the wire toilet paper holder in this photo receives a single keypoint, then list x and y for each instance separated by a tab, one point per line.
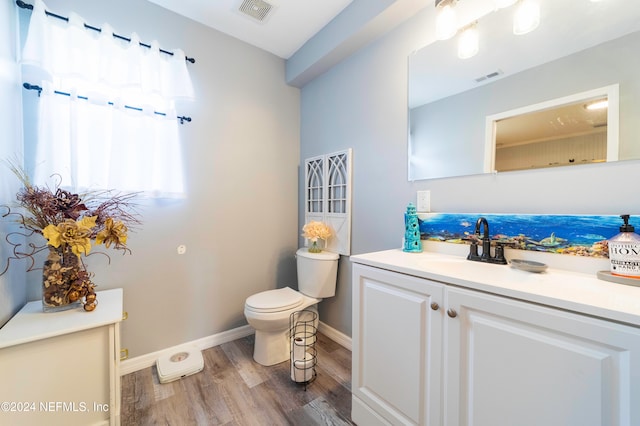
303	353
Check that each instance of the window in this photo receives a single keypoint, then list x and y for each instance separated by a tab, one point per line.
106	107
328	196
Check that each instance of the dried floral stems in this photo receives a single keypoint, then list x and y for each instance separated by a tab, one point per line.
70	223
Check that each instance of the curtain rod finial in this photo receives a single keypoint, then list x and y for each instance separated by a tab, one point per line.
32	87
24	5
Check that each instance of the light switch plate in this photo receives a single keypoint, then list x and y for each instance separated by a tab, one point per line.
423	203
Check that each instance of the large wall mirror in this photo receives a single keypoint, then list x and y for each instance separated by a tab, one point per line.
582	52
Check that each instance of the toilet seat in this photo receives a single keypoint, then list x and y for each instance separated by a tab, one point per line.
281	299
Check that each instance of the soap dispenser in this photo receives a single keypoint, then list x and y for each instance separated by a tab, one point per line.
624	251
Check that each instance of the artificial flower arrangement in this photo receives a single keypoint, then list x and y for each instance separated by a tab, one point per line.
314	231
69	223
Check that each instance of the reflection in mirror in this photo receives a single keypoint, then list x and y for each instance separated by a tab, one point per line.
578	47
574	130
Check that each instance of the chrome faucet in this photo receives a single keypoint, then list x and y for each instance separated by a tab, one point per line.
486	246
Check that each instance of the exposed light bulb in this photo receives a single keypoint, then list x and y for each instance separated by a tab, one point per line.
468	43
527	17
501	4
446	23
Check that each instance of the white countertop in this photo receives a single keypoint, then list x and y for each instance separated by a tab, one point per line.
573	291
31	323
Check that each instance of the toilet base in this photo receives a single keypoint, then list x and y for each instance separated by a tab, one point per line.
271	348
274	347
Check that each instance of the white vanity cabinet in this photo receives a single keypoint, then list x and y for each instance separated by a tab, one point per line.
62	368
483	359
515	363
397	322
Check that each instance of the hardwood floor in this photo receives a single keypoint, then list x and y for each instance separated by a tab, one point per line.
235	390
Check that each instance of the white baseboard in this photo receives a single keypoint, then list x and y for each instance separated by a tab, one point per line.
335	335
143	361
140	362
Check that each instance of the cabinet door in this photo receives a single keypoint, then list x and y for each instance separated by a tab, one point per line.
62	380
397	340
514	363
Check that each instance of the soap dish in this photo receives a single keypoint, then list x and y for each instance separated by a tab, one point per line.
608	276
528	265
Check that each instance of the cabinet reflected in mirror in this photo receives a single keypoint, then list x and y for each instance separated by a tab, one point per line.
578	47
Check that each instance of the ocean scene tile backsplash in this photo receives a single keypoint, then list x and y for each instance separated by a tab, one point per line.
564	234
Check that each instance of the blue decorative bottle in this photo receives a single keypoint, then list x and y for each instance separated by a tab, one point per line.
412	243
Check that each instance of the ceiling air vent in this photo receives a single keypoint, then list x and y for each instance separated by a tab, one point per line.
257	9
488	76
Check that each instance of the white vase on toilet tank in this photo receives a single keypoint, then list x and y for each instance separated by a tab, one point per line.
268	312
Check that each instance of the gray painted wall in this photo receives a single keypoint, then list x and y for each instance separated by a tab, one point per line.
362	103
12	288
241	156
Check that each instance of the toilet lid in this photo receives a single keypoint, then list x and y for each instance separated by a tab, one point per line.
280	299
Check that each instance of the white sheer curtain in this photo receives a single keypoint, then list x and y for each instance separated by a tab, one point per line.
98	142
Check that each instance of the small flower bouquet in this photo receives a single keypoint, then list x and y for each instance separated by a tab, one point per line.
71	224
314	231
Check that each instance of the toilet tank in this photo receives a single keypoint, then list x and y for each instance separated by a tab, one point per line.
317	273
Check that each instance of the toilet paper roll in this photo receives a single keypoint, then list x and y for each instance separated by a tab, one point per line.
302	369
299	351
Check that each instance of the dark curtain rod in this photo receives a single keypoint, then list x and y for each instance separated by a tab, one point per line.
39	89
24	5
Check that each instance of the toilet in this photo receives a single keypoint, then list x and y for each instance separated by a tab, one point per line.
268	312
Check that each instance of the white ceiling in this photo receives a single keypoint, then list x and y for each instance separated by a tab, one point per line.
286	28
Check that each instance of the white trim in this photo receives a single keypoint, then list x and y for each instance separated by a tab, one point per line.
335	335
144	361
613	118
141	362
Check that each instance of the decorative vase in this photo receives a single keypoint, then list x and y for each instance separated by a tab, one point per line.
314	247
63	280
412	243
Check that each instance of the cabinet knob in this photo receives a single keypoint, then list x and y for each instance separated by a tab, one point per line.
452	313
435	306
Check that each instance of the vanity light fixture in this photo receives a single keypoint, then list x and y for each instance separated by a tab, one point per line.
446	20
468	42
527	17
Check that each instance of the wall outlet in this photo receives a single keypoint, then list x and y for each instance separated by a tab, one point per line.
423	203
182	249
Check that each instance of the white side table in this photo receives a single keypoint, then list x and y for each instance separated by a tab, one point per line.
62	368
